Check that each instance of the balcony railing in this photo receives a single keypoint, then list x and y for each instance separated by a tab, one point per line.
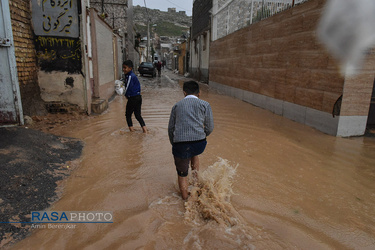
262	9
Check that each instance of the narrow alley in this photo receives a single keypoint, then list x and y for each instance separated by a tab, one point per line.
272	183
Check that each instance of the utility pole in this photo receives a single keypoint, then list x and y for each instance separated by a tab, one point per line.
148	32
148	39
262	14
251	12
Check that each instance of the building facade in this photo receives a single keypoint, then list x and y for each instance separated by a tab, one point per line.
119	15
62	63
200	40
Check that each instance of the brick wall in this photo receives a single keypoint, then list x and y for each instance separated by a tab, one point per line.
20	11
281	58
23	41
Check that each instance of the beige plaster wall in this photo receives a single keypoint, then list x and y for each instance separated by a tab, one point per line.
57	87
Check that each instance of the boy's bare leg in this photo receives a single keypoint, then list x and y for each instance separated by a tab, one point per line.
182	183
195	163
131	129
144	129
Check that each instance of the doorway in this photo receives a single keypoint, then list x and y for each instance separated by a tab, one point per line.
10	98
371	113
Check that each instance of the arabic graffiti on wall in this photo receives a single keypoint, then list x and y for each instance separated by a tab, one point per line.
55	18
56	28
57	53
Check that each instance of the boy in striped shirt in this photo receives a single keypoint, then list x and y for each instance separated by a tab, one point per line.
190	122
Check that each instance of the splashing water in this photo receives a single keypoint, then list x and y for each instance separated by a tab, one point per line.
209	210
210	194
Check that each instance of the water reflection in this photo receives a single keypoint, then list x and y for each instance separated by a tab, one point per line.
293	187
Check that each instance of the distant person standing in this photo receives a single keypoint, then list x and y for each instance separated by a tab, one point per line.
190	122
133	94
158	67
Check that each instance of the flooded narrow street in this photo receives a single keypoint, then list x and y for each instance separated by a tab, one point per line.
271	183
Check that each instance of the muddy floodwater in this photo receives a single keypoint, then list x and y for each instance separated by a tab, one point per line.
265	182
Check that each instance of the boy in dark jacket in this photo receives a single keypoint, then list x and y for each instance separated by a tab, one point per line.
133	94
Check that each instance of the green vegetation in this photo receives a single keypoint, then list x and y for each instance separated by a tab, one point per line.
141	29
169	29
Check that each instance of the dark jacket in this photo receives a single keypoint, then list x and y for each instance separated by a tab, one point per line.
132	85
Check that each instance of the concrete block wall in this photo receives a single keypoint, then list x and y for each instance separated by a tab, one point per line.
278	64
230	16
105	50
106	59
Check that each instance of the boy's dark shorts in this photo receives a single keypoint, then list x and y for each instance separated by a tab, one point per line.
183	151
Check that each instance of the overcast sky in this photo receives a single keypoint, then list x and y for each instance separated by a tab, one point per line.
163	5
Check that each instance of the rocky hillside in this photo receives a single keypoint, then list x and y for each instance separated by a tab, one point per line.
163	23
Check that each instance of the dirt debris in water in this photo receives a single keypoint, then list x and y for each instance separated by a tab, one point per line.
50	122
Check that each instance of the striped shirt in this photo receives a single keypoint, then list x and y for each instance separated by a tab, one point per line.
191	119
